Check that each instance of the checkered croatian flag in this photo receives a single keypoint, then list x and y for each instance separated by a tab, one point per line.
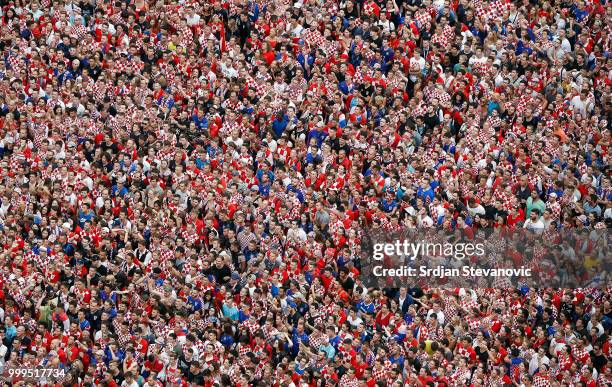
541	380
137	65
491	11
186	37
117	19
79	31
497	8
481	8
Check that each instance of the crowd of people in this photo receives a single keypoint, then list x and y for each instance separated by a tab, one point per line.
186	185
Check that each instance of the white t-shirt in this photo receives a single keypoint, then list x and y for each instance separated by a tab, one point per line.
420	62
297	31
439	316
565	45
193	20
537	226
579	105
3	350
534	364
354	322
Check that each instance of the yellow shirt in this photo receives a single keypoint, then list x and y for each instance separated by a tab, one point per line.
428	347
590	262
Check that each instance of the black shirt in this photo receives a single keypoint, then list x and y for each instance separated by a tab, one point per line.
196	378
599	361
95	319
184	365
220	273
432	120
523	193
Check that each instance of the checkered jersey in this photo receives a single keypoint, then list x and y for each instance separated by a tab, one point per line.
371	8
494	121
379	374
580	354
444	38
419	110
460	377
313	37
422	18
15	62
441	95
251	326
260	88
347	381
100	371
